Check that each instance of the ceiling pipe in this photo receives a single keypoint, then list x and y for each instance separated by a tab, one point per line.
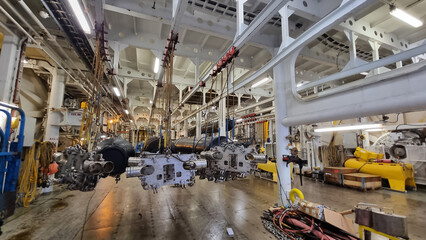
18	25
7	3
216	100
34	18
36	42
49	36
256	112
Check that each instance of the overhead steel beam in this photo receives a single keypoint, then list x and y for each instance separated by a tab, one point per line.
325	24
267	13
338	15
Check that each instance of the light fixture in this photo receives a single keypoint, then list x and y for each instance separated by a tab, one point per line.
375	130
405	17
263	81
110	121
348	128
126	111
79	15
116	91
150	101
364	73
156	65
25	61
131	121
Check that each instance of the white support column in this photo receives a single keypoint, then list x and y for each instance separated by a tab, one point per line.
180	88
185	128
177	130
198	125
8	66
352	44
204	95
257	108
56	98
375	47
222	116
198	116
285	13
239	95
116	47
366	140
282	71
197	70
241	26
126	81
398	64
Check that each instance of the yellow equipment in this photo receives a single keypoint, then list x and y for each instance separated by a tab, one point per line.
367	155
294	192
272	168
365	228
399	175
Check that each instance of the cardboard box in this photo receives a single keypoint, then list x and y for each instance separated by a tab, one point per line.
338	220
313	209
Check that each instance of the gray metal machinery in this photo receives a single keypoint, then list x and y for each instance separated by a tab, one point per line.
221	163
82	169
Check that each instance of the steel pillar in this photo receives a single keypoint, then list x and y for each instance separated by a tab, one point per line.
198	125
185	128
8	66
281	71
222	116
241	26
56	98
239	95
375	47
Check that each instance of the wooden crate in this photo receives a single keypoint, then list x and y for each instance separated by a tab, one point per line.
362	181
335	174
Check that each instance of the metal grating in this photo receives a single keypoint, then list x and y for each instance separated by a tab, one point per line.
76	36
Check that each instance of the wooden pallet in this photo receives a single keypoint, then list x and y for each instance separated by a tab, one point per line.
362	181
334	175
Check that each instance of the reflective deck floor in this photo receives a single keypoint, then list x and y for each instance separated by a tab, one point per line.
125	211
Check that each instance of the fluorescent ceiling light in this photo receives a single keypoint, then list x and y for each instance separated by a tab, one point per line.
405	17
349	128
126	111
117	93
78	12
265	80
156	65
364	73
375	130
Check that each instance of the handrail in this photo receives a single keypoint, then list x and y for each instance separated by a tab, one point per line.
21	126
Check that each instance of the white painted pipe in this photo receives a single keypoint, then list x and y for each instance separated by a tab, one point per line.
56	98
